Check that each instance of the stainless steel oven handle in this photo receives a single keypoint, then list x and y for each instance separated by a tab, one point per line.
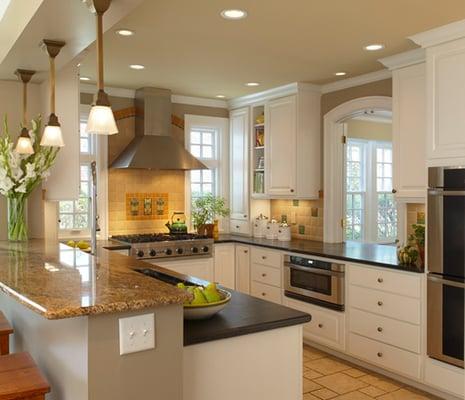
440	192
315	270
447	282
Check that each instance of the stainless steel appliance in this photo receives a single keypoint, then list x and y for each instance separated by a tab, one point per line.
446	264
159	245
314	281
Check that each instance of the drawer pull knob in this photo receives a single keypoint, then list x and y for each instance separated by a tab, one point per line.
292	190
380	280
320	325
245	215
263	294
263	257
379	354
263	275
246	251
237	226
380	329
380	303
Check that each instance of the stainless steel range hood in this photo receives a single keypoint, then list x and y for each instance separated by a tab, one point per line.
154	147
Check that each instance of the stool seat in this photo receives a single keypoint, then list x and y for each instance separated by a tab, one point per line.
20	378
5	331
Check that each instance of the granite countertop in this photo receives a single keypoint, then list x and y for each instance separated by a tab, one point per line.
362	253
58	281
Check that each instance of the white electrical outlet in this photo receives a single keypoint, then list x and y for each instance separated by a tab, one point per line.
136	333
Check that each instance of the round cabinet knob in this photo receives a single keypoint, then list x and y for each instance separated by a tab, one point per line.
205	249
237	226
140	253
394	191
379	329
320	326
263	257
380	280
179	251
246	251
380	303
168	252
263	294
263	275
379	354
245	215
292	190
195	249
153	253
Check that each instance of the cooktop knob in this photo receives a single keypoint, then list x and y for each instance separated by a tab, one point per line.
195	249
205	249
140	253
179	251
153	253
168	252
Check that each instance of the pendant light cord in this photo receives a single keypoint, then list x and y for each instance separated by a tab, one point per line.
25	104
52	84
100	50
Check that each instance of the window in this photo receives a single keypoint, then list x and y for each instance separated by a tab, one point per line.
74	215
370	208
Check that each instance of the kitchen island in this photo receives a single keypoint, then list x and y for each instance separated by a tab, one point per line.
65	306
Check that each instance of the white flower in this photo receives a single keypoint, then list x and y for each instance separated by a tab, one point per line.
21	188
30	171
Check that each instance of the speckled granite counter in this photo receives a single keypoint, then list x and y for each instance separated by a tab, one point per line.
363	253
58	282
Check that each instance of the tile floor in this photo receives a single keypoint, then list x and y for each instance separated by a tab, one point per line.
327	377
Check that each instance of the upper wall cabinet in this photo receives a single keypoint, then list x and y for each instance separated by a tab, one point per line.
445	93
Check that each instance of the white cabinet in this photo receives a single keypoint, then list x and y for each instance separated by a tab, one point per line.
239	170
225	268
243	269
409	132
201	268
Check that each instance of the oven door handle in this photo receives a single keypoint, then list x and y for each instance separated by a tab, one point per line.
312	269
447	282
441	192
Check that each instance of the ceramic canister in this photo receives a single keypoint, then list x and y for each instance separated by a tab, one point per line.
284	232
272	229
259	226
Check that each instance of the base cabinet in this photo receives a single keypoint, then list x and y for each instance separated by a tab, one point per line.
445	377
243	269
201	268
225	268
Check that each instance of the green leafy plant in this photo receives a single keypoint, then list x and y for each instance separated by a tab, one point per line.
207	208
418	234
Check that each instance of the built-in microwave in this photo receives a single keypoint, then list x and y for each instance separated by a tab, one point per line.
314	281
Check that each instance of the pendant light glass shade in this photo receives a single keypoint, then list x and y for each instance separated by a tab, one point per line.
24	145
52	135
101	121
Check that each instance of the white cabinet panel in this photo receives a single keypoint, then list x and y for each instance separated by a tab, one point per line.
201	268
266	292
409	131
243	269
239	227
268	275
267	257
225	268
280	146
445	377
239	164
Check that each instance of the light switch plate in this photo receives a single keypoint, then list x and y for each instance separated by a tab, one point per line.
136	333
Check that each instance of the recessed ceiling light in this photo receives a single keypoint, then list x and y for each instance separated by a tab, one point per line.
340	73
220	96
374	47
125	32
136	66
84	78
234	14
252	84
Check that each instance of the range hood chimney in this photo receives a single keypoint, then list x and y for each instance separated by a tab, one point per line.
153	146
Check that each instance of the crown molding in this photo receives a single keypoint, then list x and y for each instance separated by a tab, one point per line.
356	81
404	59
198	101
111	91
442	34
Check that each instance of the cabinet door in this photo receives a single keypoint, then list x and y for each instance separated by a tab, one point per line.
409	132
225	268
280	147
239	164
243	269
445	102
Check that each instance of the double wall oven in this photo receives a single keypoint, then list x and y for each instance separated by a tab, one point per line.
446	264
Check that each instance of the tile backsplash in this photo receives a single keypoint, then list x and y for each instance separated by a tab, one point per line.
304	216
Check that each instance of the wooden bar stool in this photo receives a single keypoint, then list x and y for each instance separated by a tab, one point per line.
20	379
5	331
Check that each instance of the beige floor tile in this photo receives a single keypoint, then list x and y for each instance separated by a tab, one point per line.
309	396
386	384
310	386
311	374
341	383
324	394
353	396
313	354
355	372
327	366
372	391
406	394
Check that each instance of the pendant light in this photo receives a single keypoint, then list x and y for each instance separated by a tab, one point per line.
101	119
24	145
52	135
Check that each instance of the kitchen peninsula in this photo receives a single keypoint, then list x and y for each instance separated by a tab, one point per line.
65	306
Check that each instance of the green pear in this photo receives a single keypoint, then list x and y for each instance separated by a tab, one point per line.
211	293
199	297
181	285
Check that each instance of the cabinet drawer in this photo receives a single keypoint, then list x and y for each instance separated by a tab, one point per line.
386	330
266	292
395	282
326	327
266	257
385	304
267	275
384	355
239	227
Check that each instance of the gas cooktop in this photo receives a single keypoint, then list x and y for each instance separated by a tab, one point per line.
157	237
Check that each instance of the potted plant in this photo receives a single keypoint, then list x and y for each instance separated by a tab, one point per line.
419	238
205	213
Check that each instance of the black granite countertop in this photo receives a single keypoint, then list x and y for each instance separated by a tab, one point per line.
243	315
362	253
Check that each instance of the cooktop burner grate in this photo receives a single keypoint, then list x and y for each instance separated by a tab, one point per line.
157	237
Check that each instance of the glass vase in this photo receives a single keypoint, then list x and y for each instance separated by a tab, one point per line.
17	228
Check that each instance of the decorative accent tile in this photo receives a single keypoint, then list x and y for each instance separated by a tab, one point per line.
302	229
146	206
295	203
314	212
